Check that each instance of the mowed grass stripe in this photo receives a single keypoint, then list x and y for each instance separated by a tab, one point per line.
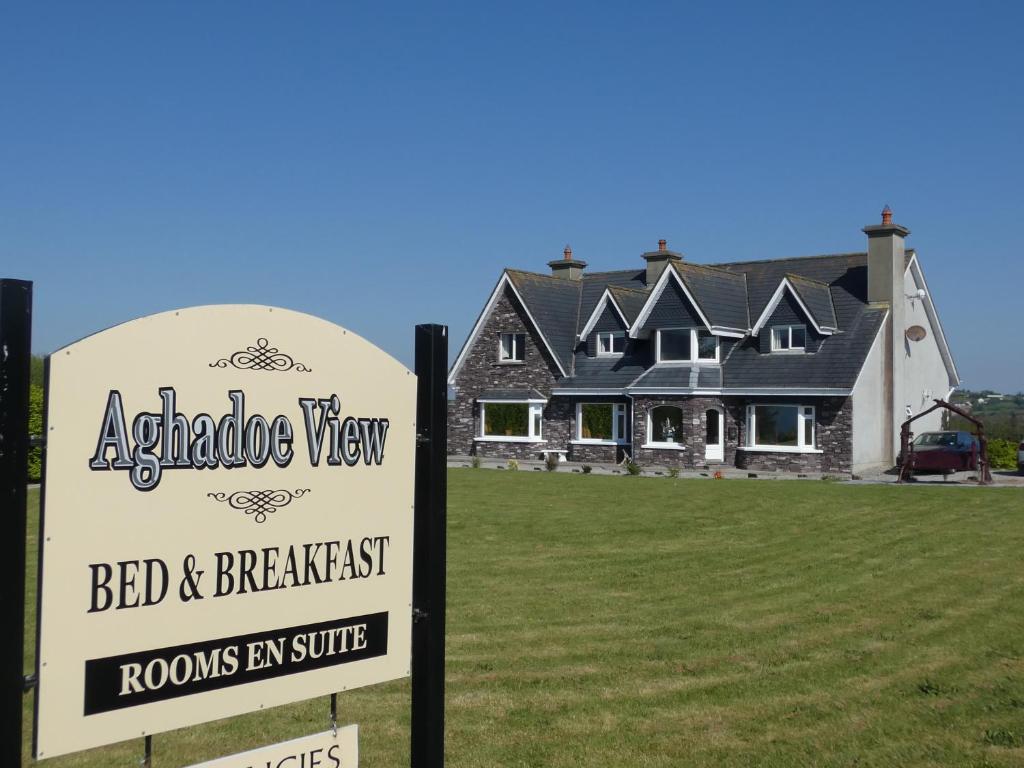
875	566
659	622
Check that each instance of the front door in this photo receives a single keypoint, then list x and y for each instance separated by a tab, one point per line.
714	449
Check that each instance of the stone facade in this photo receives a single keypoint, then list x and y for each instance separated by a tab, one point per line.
482	370
595	454
833	436
691	454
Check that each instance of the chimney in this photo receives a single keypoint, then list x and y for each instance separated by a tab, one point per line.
658	260
885	260
885	286
567	267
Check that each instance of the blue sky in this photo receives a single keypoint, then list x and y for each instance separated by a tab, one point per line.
377	164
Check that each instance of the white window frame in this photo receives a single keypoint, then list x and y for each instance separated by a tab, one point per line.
535	425
513	346
618	410
694	350
650	430
804	414
789	338
610	336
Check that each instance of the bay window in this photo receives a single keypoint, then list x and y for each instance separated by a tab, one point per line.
781	427
601	423
685	345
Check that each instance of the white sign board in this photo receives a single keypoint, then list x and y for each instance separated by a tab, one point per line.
227	522
321	750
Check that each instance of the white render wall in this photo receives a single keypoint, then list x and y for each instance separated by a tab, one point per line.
869	413
925	376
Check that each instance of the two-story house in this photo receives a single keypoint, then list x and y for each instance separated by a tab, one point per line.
804	364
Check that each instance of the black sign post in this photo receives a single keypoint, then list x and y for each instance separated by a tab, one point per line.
15	352
429	547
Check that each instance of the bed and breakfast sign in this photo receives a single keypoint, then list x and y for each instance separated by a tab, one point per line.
227	522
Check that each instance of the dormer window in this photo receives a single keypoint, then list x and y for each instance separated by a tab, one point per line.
685	345
610	343
789	338
512	348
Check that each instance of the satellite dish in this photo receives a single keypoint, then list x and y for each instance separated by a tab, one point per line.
916	333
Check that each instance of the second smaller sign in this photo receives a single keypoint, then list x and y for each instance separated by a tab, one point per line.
321	750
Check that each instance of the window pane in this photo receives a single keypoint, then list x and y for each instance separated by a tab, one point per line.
809	431
536	423
712	437
780	338
675	345
506	346
520	346
776	424
707	345
596	421
506	419
618	344
797	337
666	424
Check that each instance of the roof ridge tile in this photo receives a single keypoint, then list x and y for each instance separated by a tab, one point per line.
843	255
709	267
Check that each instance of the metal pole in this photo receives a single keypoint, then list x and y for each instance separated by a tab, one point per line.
429	547
15	353
147	753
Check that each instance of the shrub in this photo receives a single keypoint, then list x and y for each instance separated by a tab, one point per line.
475	462
35	427
551	462
673	471
586	469
633	468
1002	454
513	465
718	474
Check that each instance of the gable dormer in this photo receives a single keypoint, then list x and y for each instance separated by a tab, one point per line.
671	307
696	295
606	336
797	319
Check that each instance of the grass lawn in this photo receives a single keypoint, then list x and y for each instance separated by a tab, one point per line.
618	621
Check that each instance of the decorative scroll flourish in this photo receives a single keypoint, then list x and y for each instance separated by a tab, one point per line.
259	503
261	357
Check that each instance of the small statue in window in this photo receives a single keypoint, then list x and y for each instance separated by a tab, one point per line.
668	431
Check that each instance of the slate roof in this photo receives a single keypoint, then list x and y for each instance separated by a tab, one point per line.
630	301
839	359
601	372
732	295
553	302
593	287
721	294
817	297
684	376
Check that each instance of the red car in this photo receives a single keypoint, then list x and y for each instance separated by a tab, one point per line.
944	452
